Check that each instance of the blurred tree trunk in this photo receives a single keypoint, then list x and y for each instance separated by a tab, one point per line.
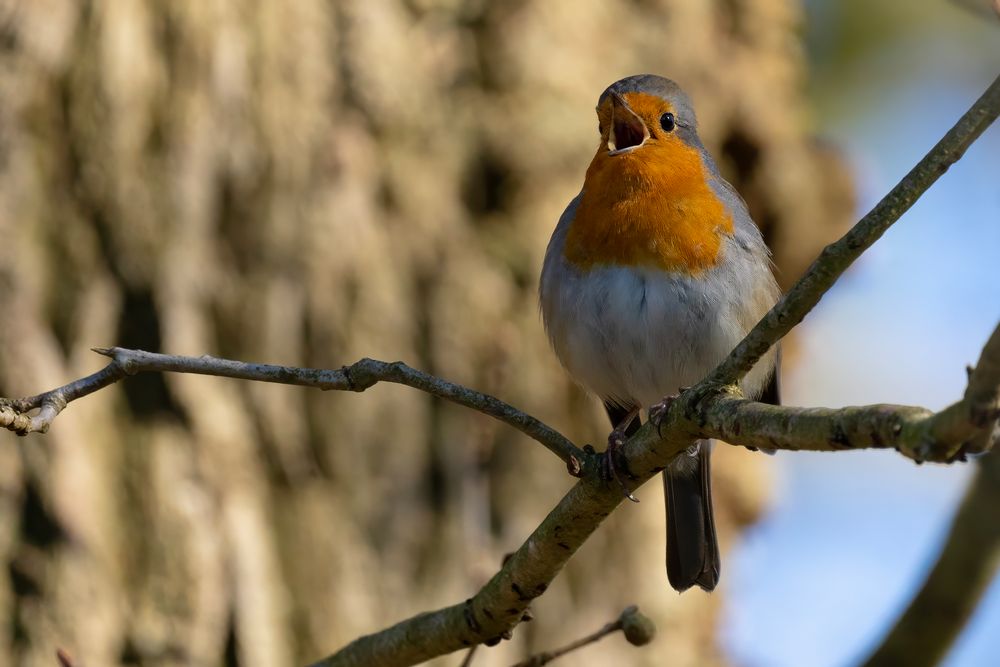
307	183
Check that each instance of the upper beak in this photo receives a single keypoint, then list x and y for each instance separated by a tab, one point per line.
627	130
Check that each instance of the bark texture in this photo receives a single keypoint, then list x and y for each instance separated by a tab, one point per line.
309	183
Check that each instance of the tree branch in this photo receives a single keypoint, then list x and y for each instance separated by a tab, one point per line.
962	428
356	377
983	395
636	627
838	256
498	606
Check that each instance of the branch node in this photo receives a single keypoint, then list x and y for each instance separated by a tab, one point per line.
15	421
637	627
346	370
125	360
360	376
982	415
470	617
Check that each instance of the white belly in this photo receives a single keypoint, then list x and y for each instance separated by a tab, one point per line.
634	334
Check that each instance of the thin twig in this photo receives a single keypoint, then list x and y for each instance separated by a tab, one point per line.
965	427
356	377
837	257
467	661
722	414
638	629
13	412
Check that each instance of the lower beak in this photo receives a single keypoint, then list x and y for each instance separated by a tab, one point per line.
627	131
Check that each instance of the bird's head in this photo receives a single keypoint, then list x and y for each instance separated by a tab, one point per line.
643	119
648	196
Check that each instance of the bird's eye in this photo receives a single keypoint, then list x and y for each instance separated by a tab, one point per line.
667	122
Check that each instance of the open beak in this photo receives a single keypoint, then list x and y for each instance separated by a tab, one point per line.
627	132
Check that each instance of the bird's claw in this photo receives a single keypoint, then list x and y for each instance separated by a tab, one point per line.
658	412
609	469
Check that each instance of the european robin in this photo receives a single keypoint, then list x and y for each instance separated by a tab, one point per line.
654	273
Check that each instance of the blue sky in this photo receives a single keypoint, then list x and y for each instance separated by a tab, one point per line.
851	536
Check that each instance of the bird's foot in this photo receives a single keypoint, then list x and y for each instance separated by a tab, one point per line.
609	469
658	412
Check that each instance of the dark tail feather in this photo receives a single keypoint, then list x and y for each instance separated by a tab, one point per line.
692	546
772	392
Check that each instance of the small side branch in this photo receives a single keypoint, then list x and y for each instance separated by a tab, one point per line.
500	604
637	628
14	412
965	427
356	377
982	397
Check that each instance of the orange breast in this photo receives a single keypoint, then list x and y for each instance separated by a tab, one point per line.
650	207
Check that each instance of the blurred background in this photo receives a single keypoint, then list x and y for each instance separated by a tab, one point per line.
849	539
309	182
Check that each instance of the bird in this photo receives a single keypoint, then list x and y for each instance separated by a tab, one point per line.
653	274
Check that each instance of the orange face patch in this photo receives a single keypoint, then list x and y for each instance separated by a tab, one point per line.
652	206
